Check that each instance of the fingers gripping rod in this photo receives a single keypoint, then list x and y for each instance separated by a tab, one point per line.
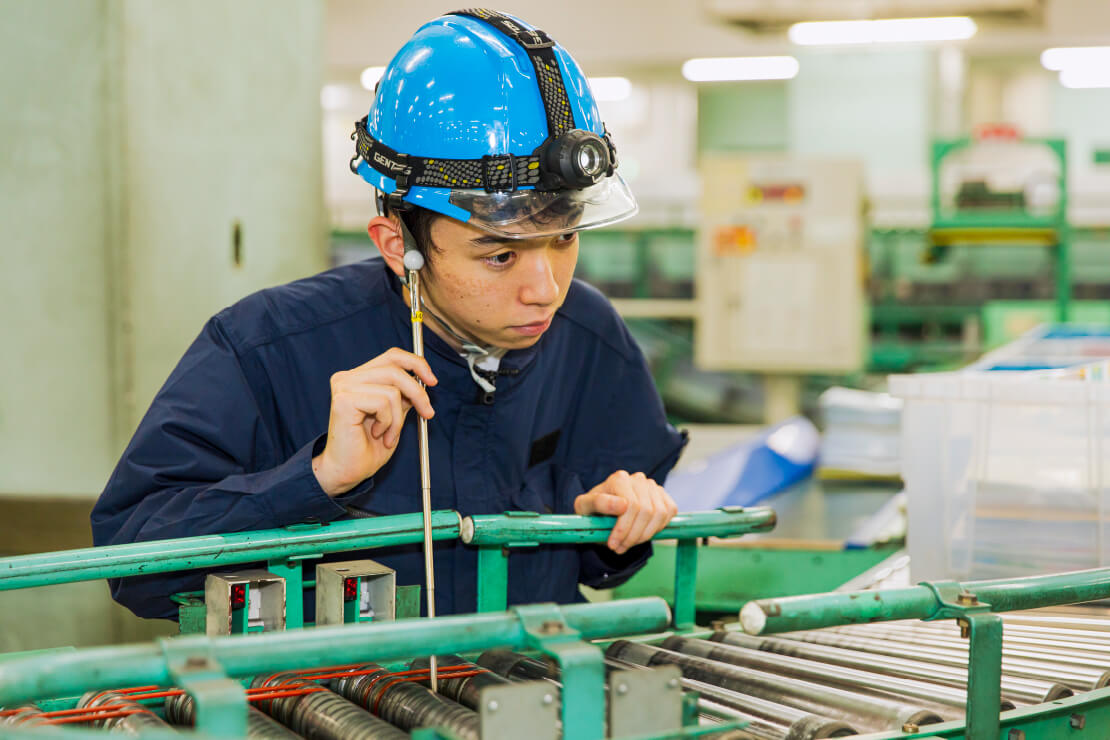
413	262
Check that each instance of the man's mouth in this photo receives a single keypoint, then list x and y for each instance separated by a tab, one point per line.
533	329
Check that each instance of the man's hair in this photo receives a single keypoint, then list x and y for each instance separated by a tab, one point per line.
419	222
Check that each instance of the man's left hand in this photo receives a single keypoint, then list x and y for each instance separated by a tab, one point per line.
640	504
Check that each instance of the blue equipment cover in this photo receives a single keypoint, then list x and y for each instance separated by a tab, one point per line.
747	473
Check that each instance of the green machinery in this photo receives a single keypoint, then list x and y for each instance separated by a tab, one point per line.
638	703
204	666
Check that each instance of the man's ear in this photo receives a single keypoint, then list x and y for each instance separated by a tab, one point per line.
385	232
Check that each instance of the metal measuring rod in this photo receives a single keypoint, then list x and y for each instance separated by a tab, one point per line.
414	261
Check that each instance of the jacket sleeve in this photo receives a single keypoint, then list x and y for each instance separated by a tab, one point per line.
202	462
633	435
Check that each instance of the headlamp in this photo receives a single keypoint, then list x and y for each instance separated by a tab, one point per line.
575	160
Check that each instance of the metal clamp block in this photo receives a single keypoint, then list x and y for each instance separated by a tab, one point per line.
953	602
221	703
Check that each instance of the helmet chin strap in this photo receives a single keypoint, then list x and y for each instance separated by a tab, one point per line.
471	351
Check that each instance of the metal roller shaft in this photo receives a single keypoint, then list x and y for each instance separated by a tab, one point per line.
756	728
798	725
1022	691
323	715
466	691
408	705
1094	650
28	715
724	706
1071	676
1087	638
1083	674
520	667
131	724
182	710
1057	621
865	712
948	702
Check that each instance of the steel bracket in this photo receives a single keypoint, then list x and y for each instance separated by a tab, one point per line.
581	664
984	654
221	703
953	601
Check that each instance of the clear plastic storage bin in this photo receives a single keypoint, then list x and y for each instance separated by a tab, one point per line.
1006	473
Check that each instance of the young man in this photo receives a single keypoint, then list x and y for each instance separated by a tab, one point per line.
488	153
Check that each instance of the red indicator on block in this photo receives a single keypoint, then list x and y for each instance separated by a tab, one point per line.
997	131
350	589
238	595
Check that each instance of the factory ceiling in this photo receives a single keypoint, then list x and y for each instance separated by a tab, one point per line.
619	35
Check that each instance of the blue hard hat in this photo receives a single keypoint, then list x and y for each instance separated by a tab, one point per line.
485	119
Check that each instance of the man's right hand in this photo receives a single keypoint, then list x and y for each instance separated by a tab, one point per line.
368	408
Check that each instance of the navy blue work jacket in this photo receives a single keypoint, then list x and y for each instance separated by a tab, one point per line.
228	441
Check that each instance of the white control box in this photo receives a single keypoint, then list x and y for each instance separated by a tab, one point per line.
780	274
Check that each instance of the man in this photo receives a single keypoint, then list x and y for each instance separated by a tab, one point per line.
489	155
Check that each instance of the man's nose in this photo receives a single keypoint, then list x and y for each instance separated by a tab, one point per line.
540	286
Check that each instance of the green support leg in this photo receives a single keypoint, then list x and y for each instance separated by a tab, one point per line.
581	664
984	692
583	671
408	602
291	569
493	578
221	703
685	583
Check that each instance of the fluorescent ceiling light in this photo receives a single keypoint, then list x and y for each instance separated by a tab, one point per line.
1085	77
1075	56
610	88
370	77
897	30
720	69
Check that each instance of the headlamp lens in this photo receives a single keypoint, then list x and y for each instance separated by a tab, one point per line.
575	160
590	159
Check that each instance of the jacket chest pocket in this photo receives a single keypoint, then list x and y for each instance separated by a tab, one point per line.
547	488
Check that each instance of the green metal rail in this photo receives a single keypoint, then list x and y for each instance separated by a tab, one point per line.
205	666
792	613
494	535
219	550
524	528
971	604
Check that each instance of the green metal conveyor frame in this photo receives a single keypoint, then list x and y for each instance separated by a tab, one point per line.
204	667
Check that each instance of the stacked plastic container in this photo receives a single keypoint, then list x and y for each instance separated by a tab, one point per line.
1007	463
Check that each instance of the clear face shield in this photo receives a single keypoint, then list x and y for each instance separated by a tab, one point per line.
534	214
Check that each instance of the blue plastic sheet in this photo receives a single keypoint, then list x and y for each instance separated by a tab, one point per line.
749	472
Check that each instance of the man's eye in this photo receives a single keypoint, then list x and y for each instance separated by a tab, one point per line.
501	259
566	238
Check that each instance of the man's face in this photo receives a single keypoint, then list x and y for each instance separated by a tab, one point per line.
502	292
